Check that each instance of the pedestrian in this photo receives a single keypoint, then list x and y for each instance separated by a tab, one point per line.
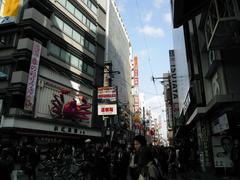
150	170
6	164
139	143
235	156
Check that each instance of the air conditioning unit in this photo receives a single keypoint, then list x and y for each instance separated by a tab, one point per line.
213	56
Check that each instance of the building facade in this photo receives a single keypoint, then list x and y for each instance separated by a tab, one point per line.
209	108
118	69
51	58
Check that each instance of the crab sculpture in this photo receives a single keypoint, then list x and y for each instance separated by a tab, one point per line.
71	109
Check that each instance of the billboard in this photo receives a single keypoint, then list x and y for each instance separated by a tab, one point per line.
222	149
10	10
136	84
32	76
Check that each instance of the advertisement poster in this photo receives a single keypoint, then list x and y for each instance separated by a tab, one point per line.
9	10
222	147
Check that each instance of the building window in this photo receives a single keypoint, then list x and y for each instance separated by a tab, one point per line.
70	59
55	50
74	35
62	2
74	61
78	15
65	56
70	7
76	12
58	22
90	5
7	40
4	72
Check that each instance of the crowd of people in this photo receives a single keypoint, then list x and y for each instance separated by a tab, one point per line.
92	161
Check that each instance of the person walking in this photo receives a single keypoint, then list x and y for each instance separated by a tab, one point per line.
138	161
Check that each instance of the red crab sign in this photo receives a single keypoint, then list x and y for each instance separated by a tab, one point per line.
70	109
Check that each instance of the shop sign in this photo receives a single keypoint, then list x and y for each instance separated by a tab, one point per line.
32	76
107	109
65	129
107	94
10	10
220	124
107	99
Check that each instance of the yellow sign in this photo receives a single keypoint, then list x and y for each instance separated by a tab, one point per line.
10	7
136	118
9	10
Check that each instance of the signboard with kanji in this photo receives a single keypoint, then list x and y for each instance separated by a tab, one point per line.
107	109
32	76
107	101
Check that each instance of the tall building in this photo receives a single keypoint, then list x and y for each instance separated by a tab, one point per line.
51	61
206	44
118	64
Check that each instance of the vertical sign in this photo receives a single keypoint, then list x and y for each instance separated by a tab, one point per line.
136	83
107	101
9	10
175	105
32	76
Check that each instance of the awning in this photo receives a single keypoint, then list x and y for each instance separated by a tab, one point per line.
184	10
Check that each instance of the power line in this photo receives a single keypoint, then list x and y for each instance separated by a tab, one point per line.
145	42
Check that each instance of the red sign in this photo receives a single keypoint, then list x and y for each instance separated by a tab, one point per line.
107	109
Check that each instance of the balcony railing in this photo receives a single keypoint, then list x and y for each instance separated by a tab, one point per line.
222	25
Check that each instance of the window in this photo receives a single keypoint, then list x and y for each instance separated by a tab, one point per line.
94	8
58	22
90	71
62	2
82	41
55	50
67	29
70	59
92	48
76	36
78	15
74	61
84	67
4	72
65	56
80	64
70	7
84	20
93	27
7	40
86	44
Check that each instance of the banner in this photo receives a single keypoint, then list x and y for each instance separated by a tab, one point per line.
32	76
9	10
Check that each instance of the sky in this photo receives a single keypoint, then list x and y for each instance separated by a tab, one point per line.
148	23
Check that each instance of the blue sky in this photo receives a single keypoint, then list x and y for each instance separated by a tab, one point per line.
148	23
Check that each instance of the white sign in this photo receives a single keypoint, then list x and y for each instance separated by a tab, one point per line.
107	93
220	124
32	76
107	109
